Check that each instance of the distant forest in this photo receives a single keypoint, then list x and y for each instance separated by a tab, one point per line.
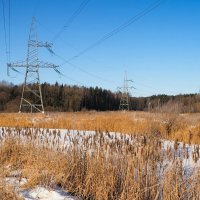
59	97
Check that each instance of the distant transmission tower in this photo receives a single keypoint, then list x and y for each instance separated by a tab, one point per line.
31	99
124	101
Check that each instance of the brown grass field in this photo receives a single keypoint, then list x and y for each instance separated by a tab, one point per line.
185	127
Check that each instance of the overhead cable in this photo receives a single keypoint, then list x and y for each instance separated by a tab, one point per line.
71	19
120	28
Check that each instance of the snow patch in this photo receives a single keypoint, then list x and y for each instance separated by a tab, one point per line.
41	193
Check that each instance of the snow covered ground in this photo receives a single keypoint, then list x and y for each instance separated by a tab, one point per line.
189	154
45	194
37	193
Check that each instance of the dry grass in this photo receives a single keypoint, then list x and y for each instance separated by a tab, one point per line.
184	128
124	168
7	193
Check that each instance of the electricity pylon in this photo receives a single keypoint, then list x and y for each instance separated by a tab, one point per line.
124	101
31	99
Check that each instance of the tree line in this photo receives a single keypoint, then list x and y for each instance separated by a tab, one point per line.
60	97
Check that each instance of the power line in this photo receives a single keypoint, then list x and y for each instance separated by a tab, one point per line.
64	41
5	32
73	65
118	29
105	80
71	19
9	28
83	70
115	31
107	36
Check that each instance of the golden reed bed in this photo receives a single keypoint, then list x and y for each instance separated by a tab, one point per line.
178	127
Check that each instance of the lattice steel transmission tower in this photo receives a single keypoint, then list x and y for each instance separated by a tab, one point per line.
31	99
124	101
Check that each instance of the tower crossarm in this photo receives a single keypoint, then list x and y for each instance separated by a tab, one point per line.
17	64
13	66
129	81
36	43
39	65
44	44
42	64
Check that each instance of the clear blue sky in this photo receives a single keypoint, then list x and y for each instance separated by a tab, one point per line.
160	52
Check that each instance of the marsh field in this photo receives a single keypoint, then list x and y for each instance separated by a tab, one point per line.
99	155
